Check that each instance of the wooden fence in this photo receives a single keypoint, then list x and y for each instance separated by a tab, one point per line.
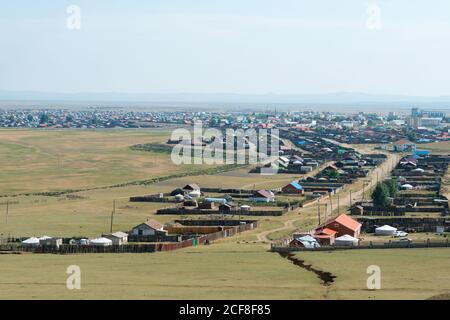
129	248
197	211
284	247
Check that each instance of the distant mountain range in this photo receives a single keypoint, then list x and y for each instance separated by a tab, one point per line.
340	98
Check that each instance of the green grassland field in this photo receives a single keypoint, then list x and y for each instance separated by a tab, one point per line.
240	267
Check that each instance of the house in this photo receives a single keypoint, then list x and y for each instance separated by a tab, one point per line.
283	164
312	163
296	163
403	145
217	200
357	210
350	160
262	196
118	238
408	163
191	187
178	191
296	158
206	205
421	153
305	169
325	236
331	167
149	228
42	241
293	188
343	225
226	208
305	241
51	242
407	186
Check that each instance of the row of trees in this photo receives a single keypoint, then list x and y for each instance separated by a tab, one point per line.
383	192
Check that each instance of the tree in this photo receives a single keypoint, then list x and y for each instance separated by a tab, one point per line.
412	136
392	186
380	195
44	118
332	174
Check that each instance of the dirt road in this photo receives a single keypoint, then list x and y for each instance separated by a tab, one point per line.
342	199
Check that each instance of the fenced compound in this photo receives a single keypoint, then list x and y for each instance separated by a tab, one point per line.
197	211
405	223
129	248
228	191
284	246
154	198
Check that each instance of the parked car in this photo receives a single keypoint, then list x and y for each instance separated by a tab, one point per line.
399	234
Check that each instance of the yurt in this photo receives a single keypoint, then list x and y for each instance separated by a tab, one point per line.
179	198
33	241
346	240
385	231
103	242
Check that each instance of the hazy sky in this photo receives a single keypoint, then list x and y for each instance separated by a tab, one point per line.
239	46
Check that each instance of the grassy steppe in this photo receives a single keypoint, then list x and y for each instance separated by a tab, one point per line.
442	147
238	267
50	160
405	273
227	270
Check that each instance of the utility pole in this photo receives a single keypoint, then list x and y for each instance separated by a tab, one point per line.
318	211
239	227
351	200
338	203
331	202
112	216
7	210
364	185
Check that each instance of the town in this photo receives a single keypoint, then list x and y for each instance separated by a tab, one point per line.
211	157
393	189
421	126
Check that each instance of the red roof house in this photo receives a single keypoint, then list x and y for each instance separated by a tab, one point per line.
343	225
325	236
